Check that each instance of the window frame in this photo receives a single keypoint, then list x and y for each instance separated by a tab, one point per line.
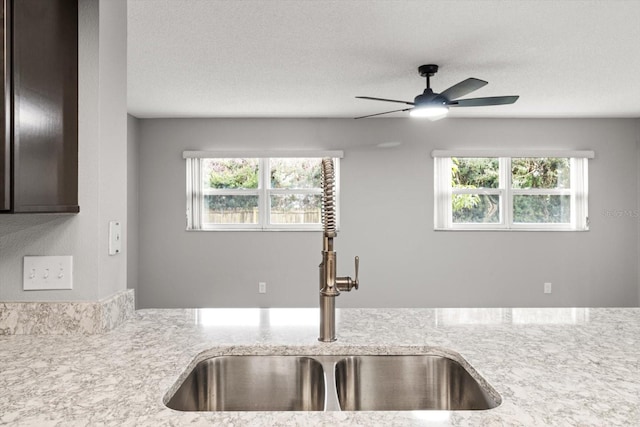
195	192
443	191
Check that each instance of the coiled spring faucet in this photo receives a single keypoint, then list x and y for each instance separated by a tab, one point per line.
330	285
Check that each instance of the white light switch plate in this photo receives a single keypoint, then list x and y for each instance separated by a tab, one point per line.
47	272
115	237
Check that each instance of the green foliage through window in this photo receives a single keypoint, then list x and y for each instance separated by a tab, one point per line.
550	209
537	189
295	173
471	172
231	173
235	194
475	173
546	172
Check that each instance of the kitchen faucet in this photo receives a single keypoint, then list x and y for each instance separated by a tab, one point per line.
330	285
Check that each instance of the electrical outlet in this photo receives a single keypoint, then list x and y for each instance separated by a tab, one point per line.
262	287
47	272
115	237
547	288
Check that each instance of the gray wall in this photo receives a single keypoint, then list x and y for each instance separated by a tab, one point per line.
101	171
133	160
387	219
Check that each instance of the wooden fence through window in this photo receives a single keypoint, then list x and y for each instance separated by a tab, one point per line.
251	217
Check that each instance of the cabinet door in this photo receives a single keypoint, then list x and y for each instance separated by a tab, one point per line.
5	107
45	105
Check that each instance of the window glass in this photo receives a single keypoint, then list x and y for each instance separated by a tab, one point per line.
256	193
511	193
541	209
469	172
475	208
295	209
295	173
230	173
547	172
220	209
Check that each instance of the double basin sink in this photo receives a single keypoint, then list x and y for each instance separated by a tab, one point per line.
332	383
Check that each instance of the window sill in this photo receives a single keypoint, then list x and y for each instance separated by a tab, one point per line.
512	229
258	230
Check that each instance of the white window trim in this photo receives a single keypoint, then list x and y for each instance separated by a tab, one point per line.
259	154
443	218
195	193
589	154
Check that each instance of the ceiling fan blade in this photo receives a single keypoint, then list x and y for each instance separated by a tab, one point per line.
379	114
383	99
481	102
463	88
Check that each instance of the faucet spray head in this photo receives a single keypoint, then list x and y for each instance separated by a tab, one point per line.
328	198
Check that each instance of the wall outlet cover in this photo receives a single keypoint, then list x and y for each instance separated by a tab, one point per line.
115	237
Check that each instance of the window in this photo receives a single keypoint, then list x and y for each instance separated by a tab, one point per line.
527	190
255	191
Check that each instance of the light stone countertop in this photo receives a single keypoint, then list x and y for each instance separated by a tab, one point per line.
551	366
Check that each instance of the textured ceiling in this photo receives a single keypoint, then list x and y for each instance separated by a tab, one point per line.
278	58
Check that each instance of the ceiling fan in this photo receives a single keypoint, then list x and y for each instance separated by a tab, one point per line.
435	106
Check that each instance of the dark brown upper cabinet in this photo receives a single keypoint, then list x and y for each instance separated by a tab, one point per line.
40	109
5	107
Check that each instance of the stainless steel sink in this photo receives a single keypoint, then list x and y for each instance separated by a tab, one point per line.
252	383
332	383
407	383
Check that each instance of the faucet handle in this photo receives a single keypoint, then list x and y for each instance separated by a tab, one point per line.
347	283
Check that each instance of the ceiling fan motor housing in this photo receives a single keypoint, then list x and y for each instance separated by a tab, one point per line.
428	97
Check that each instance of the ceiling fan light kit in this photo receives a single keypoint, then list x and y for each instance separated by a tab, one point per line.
431	112
435	106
